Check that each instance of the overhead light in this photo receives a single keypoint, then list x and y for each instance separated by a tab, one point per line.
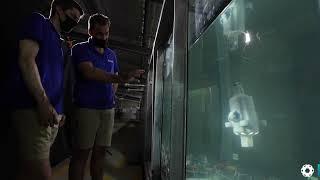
247	37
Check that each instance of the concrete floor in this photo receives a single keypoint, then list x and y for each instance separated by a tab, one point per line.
126	161
60	172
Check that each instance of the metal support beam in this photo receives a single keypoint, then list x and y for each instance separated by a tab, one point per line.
179	93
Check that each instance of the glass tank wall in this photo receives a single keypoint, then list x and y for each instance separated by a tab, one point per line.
166	113
254	92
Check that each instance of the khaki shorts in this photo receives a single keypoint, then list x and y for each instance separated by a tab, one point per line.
34	141
93	127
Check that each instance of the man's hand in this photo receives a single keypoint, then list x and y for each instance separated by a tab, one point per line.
47	114
62	120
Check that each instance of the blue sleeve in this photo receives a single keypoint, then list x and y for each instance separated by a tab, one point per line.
80	54
116	66
33	28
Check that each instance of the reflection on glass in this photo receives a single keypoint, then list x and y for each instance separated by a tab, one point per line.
167	110
254	92
202	12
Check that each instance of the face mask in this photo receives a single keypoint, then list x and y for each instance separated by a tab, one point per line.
68	24
100	43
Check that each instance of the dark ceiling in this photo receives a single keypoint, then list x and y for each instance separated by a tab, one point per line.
133	27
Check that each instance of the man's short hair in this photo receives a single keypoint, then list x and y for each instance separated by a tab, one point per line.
65	4
98	19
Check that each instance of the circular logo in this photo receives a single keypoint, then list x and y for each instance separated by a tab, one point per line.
307	170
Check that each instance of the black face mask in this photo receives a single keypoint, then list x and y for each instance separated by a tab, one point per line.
100	43
68	24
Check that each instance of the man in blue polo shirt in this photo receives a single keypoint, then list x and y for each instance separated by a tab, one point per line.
37	86
96	69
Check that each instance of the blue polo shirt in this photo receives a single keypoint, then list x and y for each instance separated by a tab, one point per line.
89	93
49	61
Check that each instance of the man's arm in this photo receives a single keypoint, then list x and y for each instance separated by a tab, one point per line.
90	72
115	86
28	50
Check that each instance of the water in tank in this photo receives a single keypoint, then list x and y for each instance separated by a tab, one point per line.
254	93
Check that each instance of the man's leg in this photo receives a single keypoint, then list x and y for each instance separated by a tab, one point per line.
86	125
34	169
78	164
102	142
97	162
34	142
